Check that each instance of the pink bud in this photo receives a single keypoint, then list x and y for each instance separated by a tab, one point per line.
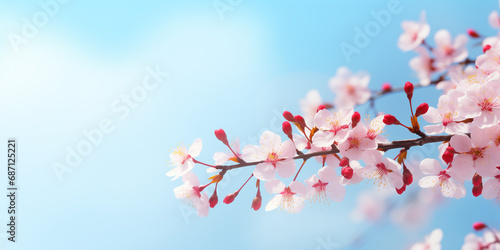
409	90
287	129
386	87
320	107
421	109
347	172
300	120
230	197
390	119
221	135
472	33
344	162
486	48
356	117
213	200
288	116
257	201
401	190
478	226
477	190
407	176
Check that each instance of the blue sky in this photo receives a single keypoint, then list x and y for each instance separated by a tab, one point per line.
238	72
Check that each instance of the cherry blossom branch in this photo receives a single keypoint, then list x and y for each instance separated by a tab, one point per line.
381	146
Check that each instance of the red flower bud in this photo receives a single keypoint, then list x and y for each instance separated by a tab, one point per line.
347	172
386	87
300	120
407	176
451	149
401	190
230	197
288	116
356	117
257	201
477	190
421	109
486	48
447	156
472	33
320	107
390	119
287	129
409	90
478	226
344	162
477	179
213	200
221	135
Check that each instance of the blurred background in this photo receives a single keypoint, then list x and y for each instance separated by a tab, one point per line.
150	75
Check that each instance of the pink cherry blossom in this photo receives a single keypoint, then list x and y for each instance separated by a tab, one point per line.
375	128
290	198
182	159
490	60
446	115
351	89
191	195
325	186
384	170
332	126
277	156
486	242
329	160
356	143
301	142
448	51
440	178
223	157
422	64
471	77
309	105
481	103
432	241
356	176
476	151
414	33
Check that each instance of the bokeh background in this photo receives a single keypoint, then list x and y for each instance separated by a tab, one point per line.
232	64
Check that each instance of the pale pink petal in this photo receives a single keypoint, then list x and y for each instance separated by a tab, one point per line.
461	143
253	153
270	141
429	181
430	166
195	148
264	171
274	186
286	168
491	188
287	149
221	158
326	174
274	202
335	192
298	188
311	180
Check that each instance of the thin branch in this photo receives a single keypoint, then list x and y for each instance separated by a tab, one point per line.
381	146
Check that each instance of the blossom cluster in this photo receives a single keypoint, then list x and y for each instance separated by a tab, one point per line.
489	241
349	150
